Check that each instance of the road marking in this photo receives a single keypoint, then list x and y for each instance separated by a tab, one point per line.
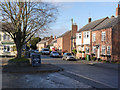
89	79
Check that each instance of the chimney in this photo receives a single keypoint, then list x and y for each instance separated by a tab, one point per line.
51	37
74	29
54	37
89	20
118	10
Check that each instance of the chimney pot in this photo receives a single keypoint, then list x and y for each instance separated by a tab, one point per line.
54	37
112	16
89	20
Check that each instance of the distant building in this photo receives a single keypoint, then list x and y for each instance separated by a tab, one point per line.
7	46
64	42
44	42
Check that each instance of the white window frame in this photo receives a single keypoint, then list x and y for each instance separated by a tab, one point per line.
79	35
87	34
103	49
103	36
108	50
94	49
84	34
94	37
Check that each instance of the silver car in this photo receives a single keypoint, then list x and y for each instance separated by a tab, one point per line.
45	51
54	54
68	56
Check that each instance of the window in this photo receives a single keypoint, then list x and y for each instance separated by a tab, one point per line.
87	50
86	34
108	50
6	48
103	50
8	38
0	37
79	35
103	36
94	49
94	37
4	37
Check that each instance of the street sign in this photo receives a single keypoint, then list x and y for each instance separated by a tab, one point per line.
36	59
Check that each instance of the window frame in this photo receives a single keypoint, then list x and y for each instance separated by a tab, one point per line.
103	36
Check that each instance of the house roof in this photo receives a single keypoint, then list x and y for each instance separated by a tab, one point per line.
64	33
92	25
54	41
44	41
110	22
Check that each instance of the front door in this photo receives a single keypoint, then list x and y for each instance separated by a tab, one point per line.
98	53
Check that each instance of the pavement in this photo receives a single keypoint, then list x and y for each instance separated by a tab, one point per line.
30	69
102	64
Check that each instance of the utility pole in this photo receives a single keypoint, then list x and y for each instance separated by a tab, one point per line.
71	34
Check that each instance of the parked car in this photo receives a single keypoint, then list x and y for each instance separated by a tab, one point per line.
54	54
36	51
68	56
45	51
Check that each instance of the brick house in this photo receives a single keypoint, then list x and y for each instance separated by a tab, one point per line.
83	38
44	42
64	42
104	38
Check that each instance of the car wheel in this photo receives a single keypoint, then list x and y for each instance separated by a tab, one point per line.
66	59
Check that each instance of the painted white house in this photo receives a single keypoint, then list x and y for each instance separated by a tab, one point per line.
7	46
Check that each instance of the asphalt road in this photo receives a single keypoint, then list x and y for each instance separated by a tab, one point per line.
98	77
88	75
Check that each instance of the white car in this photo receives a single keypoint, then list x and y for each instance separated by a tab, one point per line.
45	51
54	54
68	56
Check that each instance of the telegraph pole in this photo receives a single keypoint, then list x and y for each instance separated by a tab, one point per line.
71	34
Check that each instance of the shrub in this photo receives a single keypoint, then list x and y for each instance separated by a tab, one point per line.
80	51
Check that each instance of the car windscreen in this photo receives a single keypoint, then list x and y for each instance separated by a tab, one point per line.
45	49
55	52
69	54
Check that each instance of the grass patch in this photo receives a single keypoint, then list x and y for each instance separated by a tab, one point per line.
19	60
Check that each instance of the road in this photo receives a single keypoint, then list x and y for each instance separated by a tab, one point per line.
81	75
98	77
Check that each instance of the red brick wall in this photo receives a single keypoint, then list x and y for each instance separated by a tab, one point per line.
116	42
59	43
107	42
66	42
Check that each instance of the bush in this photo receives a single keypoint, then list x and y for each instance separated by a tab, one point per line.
80	51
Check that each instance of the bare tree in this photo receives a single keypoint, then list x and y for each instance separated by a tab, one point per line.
21	20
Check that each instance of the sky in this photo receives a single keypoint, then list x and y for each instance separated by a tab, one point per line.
80	12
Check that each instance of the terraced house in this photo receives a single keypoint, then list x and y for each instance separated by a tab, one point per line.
100	38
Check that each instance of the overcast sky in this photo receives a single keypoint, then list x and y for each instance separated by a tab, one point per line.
80	12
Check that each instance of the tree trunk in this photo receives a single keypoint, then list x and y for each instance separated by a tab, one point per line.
19	51
19	44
